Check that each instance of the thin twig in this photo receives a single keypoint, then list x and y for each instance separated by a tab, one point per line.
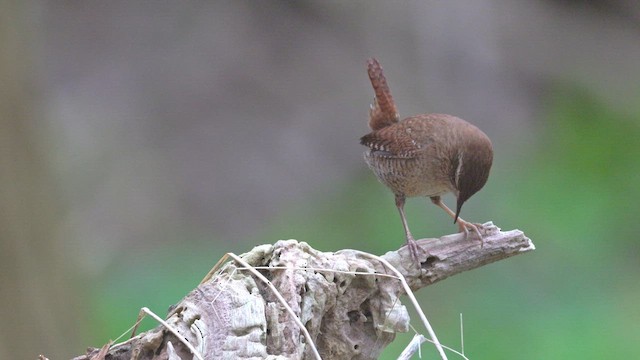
461	335
182	339
413	299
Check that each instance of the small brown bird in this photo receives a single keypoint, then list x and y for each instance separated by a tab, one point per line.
424	155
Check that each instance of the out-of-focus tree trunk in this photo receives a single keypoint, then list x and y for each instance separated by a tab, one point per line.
33	282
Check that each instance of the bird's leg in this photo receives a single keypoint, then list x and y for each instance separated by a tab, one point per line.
463	225
414	249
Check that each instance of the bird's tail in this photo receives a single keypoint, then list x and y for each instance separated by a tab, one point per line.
383	111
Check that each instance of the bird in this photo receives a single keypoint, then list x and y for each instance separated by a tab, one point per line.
426	155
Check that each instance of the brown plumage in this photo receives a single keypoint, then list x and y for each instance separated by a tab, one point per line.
424	155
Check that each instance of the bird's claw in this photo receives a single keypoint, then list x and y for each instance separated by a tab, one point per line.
465	226
414	250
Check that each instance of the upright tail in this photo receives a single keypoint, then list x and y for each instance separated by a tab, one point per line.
383	111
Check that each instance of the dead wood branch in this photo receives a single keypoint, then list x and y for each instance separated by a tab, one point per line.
348	301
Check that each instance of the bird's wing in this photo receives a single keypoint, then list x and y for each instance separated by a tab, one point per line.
393	143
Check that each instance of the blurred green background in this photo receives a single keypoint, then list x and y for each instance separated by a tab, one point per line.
142	141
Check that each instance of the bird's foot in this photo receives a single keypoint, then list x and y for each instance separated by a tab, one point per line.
415	250
465	226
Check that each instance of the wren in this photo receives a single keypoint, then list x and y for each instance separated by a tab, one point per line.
424	155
